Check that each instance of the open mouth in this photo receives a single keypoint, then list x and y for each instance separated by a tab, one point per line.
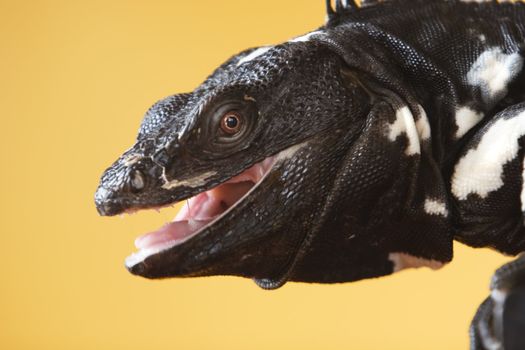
201	211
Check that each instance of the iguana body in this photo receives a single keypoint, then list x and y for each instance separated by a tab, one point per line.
361	148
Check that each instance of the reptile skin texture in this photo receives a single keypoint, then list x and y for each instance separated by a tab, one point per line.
381	136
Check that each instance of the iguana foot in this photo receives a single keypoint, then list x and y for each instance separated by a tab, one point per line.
499	322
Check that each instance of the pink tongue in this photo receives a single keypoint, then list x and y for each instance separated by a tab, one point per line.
172	231
195	214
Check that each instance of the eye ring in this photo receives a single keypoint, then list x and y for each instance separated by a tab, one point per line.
231	122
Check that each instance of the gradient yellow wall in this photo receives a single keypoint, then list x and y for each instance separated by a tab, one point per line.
75	79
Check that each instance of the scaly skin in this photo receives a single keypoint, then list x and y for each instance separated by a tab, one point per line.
393	129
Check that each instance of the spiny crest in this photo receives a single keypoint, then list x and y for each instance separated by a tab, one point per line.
345	6
340	6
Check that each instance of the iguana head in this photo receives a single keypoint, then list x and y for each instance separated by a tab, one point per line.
258	151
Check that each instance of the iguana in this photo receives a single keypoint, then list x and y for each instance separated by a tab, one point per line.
356	150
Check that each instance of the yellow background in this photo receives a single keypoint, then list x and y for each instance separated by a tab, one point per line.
75	79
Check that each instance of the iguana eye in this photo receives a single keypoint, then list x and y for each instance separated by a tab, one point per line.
231	122
227	127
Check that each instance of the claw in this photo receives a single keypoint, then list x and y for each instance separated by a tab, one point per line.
499	323
482	335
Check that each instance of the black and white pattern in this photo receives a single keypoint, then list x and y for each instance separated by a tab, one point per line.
385	134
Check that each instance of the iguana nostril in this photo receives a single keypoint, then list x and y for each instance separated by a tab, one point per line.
136	180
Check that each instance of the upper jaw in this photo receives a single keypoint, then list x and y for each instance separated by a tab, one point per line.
166	192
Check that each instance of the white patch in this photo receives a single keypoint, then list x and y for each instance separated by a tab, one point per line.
405	124
422	125
254	54
305	37
434	207
481	169
196	181
498	295
142	254
249	98
102	192
132	159
137	180
289	152
492	72
406	261
466	119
